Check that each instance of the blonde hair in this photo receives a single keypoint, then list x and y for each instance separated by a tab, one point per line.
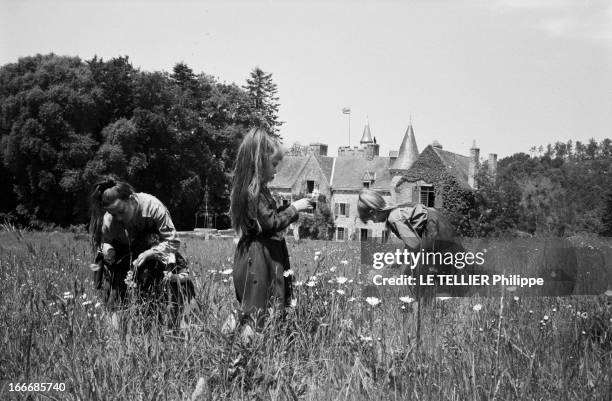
248	178
370	203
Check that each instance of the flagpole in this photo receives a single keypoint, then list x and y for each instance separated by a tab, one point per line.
349	114
347	110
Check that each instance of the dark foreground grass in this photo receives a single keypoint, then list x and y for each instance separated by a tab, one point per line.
332	346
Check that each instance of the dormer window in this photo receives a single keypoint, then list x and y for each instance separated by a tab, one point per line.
368	178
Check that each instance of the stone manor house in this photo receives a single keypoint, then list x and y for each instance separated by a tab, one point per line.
397	177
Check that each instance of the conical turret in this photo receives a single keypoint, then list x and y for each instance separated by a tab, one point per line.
408	152
367	135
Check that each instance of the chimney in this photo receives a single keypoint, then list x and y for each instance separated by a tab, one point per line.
319	149
492	165
371	150
473	165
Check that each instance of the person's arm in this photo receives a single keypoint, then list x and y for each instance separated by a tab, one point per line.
169	242
408	225
272	221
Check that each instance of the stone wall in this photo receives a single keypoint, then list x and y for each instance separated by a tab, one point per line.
351	223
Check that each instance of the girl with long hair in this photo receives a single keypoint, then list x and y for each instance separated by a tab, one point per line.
261	256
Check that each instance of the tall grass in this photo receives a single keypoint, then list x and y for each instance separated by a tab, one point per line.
332	346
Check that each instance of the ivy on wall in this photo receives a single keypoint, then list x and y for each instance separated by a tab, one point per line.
457	200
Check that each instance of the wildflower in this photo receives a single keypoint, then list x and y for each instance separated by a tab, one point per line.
288	273
341	292
341	280
97	305
330	281
129	279
584	315
84	296
87	303
225	280
310	284
68	296
403	307
554	309
545	317
313	278
531	312
52	304
583	332
516	299
350	281
293	302
477	307
344	262
316	257
373	301
365	338
332	269
227	271
480	329
406	300
298	283
351	299
318	253
56	313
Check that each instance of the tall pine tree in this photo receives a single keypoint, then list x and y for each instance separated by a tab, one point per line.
262	94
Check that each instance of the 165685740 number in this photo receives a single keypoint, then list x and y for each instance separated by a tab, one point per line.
32	387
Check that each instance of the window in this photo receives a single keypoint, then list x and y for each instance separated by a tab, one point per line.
310	186
385	236
340	233
364	234
427	195
285	202
341	209
366	184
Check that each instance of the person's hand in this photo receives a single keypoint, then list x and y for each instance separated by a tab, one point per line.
301	204
142	258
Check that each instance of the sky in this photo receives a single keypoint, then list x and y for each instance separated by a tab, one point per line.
507	74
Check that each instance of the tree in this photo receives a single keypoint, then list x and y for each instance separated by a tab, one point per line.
607	216
262	94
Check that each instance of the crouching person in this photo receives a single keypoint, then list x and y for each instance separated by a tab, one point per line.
136	246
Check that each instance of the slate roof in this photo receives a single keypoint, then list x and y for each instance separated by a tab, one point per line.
326	163
408	151
456	164
367	135
290	167
288	170
350	170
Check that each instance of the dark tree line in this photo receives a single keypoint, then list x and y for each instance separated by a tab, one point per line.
559	189
64	122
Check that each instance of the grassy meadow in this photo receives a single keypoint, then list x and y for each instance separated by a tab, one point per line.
332	346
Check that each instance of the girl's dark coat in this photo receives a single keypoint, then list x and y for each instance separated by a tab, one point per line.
261	258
